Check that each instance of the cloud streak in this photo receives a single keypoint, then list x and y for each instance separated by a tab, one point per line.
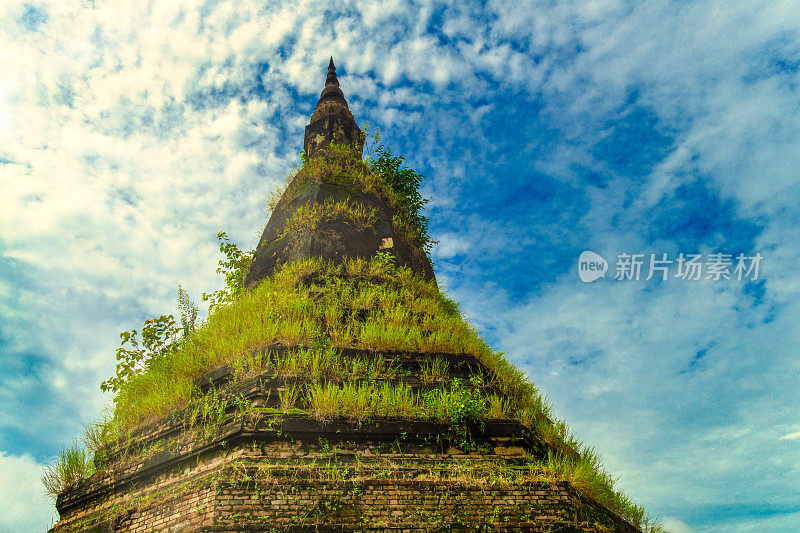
130	136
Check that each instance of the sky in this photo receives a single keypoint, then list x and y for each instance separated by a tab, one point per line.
132	132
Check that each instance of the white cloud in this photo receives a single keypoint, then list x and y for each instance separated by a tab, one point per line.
449	245
791	436
135	136
24	506
673	525
783	521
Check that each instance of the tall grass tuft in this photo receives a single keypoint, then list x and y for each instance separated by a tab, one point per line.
289	395
434	369
73	466
363	400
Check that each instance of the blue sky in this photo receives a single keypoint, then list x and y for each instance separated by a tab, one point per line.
131	133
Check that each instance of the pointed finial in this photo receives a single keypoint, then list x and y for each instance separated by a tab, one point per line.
331	79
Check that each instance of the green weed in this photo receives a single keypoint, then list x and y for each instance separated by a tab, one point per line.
434	369
73	465
289	395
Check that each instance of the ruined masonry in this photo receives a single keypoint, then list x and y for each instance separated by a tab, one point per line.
291	471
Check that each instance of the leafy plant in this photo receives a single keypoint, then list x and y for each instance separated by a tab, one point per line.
405	182
233	267
137	353
209	409
457	404
188	312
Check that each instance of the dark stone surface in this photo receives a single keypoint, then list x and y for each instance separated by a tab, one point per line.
331	119
332	239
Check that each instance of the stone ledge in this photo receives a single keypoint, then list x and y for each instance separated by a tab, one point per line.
557	506
417	527
265	430
461	362
299	425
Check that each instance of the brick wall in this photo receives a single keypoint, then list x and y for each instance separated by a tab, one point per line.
230	490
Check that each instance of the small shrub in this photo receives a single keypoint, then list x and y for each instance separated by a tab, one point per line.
233	267
457	404
137	354
207	411
405	183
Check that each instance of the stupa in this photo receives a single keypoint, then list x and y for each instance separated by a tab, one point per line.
340	392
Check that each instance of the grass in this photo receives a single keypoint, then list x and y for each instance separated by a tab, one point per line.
309	302
317	308
315	364
308	216
343	166
588	476
498	407
72	466
365	400
314	305
434	369
288	396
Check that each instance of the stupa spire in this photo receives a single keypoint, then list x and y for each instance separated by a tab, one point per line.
331	79
331	120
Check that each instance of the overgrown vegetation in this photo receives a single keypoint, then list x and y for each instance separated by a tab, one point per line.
73	465
308	216
379	172
364	304
319	308
405	182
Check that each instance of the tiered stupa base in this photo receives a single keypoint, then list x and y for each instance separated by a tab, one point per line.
262	469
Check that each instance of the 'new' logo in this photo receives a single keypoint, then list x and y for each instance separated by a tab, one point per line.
591	266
